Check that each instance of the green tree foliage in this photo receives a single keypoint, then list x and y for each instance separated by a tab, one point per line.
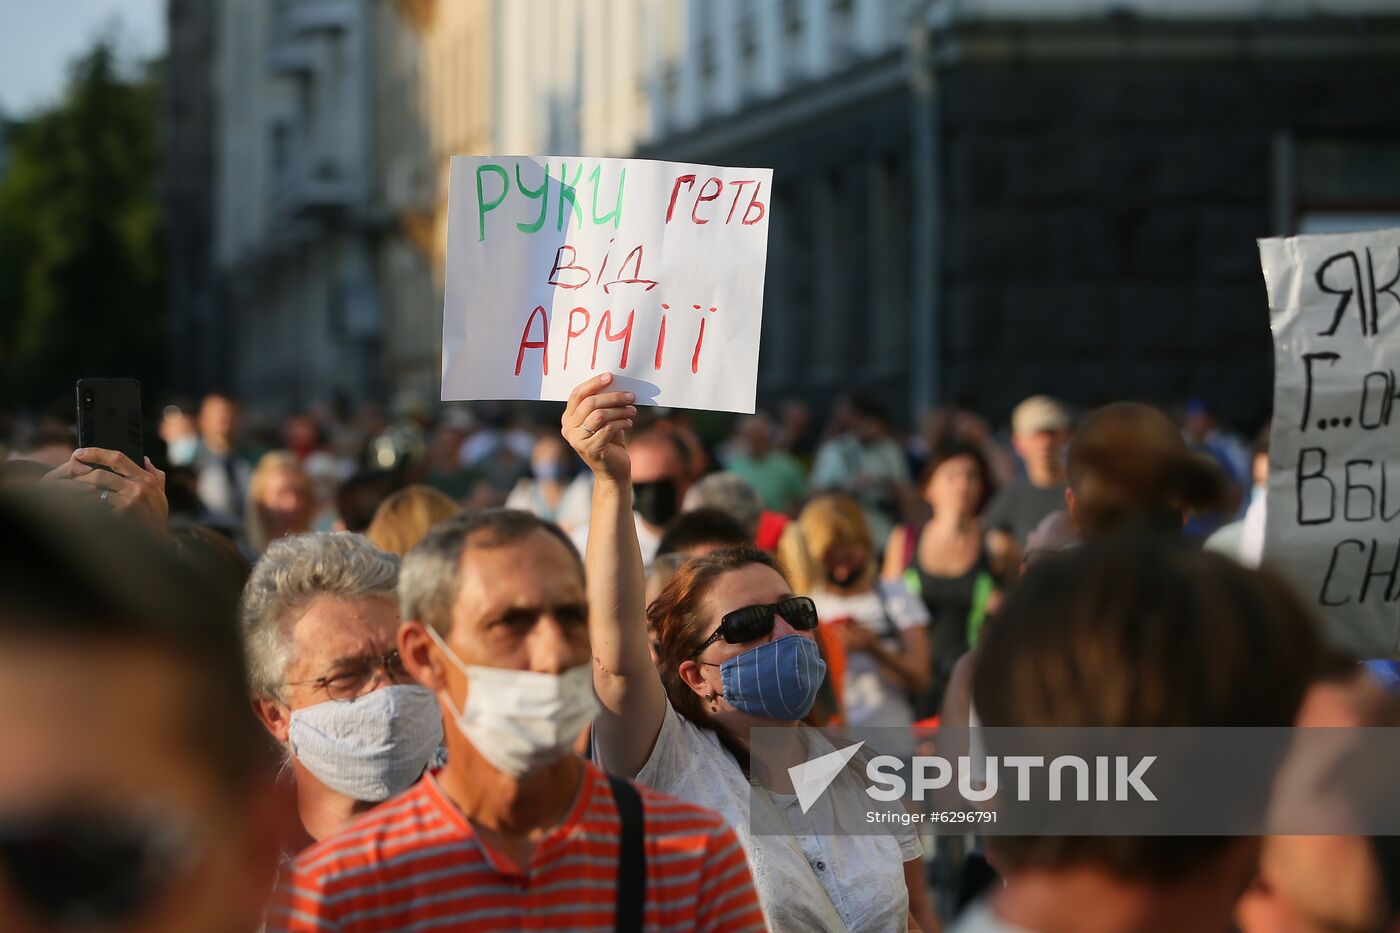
82	282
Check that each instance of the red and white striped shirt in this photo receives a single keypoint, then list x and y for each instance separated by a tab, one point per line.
415	863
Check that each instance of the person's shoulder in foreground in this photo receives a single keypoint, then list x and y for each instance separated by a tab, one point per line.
416	862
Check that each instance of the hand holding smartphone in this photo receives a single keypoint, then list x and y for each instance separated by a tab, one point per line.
110	461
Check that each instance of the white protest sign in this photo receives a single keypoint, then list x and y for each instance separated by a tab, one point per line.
559	268
1334	458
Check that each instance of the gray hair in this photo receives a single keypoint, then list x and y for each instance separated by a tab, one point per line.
293	572
728	492
428	584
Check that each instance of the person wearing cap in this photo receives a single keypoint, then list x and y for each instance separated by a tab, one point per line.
1039	432
1128	467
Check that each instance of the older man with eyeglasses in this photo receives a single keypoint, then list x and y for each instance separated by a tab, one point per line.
320	620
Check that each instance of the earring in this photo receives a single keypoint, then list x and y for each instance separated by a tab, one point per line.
710	699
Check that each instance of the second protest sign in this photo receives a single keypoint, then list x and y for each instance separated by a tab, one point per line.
1334	465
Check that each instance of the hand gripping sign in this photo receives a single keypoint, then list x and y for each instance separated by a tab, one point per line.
559	268
1334	454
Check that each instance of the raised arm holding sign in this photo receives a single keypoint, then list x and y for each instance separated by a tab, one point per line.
561	268
1334	460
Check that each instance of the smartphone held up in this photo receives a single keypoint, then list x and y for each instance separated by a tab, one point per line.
109	417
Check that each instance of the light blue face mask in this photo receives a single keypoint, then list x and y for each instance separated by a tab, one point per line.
372	747
548	470
183	450
776	680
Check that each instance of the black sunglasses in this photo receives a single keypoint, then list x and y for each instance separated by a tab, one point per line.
752	622
93	868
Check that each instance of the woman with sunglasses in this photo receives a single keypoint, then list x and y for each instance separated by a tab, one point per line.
739	652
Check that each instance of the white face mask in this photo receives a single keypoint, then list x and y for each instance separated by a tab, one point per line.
522	720
372	747
183	450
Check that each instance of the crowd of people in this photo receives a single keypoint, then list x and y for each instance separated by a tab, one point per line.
468	672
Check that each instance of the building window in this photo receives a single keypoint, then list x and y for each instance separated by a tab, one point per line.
792	17
855	316
1342	185
747	27
1347	221
775	345
843	33
793	54
796	214
670	87
279	148
829	309
888	236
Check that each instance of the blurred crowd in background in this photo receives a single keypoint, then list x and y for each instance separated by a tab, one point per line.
255	479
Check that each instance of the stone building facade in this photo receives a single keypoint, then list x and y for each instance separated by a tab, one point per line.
975	199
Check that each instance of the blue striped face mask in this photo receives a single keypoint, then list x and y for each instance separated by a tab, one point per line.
776	680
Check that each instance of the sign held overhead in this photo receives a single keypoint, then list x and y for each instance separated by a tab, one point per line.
560	268
1334	461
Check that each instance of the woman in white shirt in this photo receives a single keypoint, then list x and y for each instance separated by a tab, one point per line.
739	652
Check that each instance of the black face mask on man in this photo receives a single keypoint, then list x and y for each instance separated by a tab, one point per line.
656	502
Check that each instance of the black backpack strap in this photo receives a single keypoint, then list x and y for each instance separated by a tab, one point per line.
631	858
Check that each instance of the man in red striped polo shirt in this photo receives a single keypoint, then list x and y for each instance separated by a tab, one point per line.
516	832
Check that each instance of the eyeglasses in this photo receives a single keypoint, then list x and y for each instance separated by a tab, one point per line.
753	622
86	868
349	678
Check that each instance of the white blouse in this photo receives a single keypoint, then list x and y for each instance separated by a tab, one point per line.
809	880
